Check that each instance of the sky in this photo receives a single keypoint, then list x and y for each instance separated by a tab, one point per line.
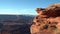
24	7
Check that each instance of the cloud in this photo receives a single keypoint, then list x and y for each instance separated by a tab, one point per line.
27	11
21	11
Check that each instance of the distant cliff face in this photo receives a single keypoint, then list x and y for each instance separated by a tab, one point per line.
11	24
47	20
16	18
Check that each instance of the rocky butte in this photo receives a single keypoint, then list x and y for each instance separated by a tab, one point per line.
47	21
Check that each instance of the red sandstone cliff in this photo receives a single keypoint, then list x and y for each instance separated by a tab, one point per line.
47	20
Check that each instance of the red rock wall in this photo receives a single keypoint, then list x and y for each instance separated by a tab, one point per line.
47	20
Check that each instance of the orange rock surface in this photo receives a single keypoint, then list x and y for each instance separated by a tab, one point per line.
47	20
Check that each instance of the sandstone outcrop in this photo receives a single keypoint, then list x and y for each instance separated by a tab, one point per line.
47	20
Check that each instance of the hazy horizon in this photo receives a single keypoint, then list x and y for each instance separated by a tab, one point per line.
23	7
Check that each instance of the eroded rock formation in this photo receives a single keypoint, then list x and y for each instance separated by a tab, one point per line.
47	20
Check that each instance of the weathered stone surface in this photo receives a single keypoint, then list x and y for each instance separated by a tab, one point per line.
47	20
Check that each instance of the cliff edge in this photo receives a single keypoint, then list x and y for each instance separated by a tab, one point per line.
47	21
